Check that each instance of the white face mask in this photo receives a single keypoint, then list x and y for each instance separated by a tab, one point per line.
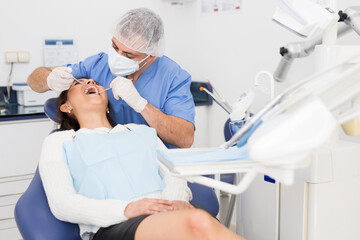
122	66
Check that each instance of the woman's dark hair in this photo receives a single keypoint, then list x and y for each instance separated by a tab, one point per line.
69	121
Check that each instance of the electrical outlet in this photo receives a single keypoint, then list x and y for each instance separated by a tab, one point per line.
17	57
11	57
23	56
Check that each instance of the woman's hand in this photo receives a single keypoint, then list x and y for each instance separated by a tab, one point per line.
148	206
179	205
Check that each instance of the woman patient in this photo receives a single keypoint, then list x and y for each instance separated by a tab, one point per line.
105	178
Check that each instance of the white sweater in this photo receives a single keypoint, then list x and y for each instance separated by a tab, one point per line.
91	214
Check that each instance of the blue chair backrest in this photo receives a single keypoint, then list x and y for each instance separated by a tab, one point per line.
50	107
35	220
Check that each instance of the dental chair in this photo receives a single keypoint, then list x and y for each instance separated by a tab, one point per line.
35	220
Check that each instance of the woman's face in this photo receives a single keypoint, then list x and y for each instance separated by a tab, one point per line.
86	98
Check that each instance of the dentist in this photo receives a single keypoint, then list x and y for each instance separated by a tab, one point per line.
147	87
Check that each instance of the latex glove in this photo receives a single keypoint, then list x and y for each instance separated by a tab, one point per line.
125	89
60	79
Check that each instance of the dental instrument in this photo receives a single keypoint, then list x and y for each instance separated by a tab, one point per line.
79	81
299	50
86	85
239	109
222	103
219	96
302	49
104	90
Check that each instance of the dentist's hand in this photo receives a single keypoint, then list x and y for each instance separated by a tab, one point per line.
60	79
125	89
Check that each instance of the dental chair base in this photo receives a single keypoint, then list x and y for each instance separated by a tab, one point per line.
322	204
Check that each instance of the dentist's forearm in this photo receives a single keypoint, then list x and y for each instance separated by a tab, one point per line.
173	130
37	79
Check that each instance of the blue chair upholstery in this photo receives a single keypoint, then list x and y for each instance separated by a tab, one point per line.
205	198
50	109
36	222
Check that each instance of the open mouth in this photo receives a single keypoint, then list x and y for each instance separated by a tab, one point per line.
91	90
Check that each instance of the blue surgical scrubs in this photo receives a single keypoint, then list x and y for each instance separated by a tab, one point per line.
164	84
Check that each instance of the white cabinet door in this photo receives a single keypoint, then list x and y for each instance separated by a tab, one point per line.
20	145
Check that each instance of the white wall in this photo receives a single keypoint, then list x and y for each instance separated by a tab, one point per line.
227	49
25	24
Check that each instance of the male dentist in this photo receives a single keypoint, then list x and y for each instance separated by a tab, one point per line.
147	87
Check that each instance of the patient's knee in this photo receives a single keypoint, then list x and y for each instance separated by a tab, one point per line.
201	223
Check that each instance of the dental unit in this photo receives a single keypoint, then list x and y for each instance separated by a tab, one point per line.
294	139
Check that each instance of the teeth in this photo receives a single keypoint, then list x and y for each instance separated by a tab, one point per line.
91	87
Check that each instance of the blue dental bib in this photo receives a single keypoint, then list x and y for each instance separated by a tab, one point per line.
118	165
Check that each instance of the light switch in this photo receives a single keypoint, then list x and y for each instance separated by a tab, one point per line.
11	57
23	56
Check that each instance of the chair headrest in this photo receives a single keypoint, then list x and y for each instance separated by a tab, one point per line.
50	109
